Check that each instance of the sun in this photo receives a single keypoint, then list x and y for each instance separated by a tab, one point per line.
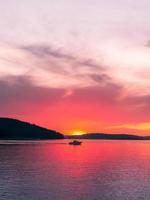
77	132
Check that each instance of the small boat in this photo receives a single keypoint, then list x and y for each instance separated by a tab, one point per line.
75	142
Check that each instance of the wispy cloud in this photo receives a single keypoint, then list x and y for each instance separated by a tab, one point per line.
52	65
42	51
140	126
45	51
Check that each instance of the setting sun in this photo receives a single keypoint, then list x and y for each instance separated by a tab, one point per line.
78	132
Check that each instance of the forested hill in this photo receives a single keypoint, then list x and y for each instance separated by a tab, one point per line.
16	129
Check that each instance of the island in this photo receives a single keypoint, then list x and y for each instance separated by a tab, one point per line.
13	129
104	136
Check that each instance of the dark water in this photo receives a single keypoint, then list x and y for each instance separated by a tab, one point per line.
97	170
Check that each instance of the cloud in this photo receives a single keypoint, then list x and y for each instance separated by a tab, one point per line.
44	51
23	88
21	97
50	65
140	126
104	93
19	92
85	90
141	101
100	78
48	52
91	64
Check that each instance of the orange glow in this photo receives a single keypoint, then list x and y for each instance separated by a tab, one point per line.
77	132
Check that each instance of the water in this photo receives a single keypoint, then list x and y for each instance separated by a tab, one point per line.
96	170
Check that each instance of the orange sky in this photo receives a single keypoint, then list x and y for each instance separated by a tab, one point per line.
78	112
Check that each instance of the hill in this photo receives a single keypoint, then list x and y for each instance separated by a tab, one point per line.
18	130
106	136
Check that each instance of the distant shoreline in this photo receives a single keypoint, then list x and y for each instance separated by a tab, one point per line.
13	129
105	136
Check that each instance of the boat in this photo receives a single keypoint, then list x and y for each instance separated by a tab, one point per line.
75	142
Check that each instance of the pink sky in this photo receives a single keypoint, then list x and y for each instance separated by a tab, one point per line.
76	65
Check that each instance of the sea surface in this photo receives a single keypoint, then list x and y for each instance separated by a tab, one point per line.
54	170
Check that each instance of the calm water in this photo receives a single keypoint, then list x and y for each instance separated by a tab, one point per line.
97	170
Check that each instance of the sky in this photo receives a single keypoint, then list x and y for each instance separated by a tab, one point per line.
79	65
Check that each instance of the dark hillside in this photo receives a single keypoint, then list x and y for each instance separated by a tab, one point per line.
15	129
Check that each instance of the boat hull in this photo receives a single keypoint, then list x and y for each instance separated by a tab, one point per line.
75	143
